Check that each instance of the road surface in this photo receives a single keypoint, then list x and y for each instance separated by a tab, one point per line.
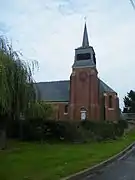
122	170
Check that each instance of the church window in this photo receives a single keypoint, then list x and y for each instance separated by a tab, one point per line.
83	113
85	56
66	109
110	101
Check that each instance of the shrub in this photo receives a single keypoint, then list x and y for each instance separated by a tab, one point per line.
104	130
40	129
62	130
118	130
123	124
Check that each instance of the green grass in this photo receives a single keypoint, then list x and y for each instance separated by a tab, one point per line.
33	161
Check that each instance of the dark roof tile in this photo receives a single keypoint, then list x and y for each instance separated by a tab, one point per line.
58	91
104	87
54	90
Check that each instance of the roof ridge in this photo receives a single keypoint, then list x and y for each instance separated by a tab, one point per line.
52	81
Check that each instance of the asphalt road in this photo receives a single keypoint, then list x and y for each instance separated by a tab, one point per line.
121	170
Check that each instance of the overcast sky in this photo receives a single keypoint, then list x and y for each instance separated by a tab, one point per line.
50	30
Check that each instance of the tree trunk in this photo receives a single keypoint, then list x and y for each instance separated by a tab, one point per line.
3	139
3	128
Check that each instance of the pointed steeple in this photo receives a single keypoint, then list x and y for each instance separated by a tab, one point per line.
85	42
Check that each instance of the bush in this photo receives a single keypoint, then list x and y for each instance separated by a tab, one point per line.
39	129
123	124
62	130
104	130
118	130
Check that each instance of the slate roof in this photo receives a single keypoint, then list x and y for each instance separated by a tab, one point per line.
104	87
85	42
54	90
58	91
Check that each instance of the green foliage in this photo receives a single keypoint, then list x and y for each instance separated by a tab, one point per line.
104	130
41	129
38	110
16	81
17	87
129	102
55	161
123	124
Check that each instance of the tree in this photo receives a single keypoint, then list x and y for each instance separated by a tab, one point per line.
17	88
37	113
129	102
38	110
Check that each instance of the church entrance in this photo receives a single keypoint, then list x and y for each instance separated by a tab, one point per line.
83	114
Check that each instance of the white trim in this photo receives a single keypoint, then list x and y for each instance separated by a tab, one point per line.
73	73
65	113
110	109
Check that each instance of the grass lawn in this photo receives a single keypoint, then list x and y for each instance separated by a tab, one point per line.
33	161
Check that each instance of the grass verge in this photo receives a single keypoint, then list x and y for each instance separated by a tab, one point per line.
33	161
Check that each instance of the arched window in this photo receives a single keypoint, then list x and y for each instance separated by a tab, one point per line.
66	109
83	113
82	108
110	101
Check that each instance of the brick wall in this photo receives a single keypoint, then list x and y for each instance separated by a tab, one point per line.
59	110
84	93
111	113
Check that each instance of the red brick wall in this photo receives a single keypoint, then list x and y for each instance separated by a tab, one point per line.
59	111
84	94
111	113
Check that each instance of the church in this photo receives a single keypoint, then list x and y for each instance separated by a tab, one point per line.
84	96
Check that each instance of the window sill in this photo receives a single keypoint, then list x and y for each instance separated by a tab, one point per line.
65	113
110	109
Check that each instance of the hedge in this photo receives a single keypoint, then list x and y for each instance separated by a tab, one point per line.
38	129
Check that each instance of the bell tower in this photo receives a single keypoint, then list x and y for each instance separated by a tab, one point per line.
84	83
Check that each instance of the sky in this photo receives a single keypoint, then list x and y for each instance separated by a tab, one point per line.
48	31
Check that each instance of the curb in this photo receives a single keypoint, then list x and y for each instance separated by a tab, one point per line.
92	170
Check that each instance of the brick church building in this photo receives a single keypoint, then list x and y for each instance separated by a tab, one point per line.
84	96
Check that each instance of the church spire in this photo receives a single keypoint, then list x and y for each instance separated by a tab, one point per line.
85	42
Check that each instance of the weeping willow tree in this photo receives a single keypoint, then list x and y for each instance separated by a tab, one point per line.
38	110
16	86
36	114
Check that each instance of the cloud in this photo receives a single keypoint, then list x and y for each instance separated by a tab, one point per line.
50	30
4	28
